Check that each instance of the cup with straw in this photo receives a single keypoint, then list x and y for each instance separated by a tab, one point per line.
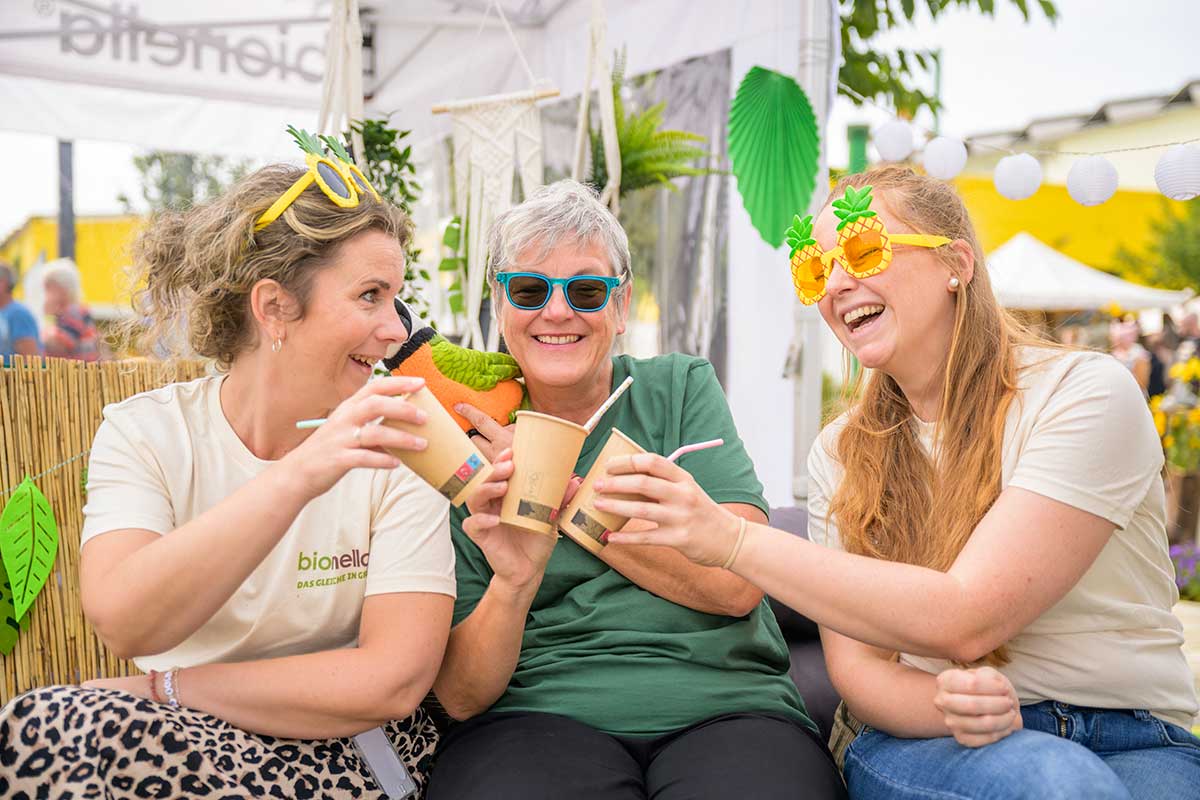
545	449
587	525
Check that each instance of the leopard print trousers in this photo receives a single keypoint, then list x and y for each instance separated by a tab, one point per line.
71	742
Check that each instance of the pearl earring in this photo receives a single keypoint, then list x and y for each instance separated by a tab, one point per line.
954	284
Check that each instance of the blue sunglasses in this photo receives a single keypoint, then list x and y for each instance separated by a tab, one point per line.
530	291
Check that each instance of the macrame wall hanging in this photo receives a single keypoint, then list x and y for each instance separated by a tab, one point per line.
493	137
342	91
598	64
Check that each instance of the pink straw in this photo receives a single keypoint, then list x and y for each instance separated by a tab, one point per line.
691	448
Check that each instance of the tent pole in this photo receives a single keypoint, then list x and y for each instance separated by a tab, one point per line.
66	200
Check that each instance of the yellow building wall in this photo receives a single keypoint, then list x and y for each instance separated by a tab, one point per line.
1091	235
102	248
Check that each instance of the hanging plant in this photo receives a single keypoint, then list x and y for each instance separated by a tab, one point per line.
775	148
28	544
390	170
649	156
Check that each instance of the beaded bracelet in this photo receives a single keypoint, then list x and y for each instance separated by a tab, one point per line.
154	695
170	686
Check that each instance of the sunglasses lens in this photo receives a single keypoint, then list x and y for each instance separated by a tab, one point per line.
587	294
810	278
333	180
527	291
361	181
864	252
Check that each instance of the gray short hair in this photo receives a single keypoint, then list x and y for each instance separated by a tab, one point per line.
64	274
562	212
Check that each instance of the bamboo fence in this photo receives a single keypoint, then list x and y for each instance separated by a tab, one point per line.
49	412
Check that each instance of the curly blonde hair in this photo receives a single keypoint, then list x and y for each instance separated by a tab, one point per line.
194	269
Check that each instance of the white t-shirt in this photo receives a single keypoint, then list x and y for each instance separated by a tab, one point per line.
1079	432
162	458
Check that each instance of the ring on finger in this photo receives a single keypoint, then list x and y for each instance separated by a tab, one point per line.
358	436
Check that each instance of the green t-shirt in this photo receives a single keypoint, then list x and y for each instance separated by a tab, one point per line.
601	650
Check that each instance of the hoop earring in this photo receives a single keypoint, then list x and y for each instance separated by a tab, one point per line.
276	345
953	284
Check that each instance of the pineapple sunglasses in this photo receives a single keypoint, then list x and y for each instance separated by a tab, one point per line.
337	176
864	246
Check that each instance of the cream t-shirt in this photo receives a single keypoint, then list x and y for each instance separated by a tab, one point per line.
1080	433
162	458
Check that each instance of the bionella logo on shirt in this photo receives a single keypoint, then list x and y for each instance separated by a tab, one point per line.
355	561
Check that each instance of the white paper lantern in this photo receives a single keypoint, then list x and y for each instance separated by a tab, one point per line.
1018	177
945	157
894	140
1092	180
1178	172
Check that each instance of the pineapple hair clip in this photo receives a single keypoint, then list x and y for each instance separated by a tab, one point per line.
864	246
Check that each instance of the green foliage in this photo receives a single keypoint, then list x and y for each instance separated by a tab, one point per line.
389	168
177	181
454	240
649	156
10	626
1172	260
880	75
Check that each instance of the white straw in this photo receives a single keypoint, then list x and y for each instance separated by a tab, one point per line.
612	398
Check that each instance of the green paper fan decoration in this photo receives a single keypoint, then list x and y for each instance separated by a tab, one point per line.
775	149
28	543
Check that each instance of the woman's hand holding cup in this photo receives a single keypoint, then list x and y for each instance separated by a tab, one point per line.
688	519
517	557
488	435
351	438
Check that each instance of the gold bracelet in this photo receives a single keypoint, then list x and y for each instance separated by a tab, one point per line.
737	546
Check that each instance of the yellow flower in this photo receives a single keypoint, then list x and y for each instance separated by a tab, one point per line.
1156	402
1169	441
1160	422
1114	310
1176	371
1193	416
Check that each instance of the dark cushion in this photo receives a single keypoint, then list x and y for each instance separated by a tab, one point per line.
795	626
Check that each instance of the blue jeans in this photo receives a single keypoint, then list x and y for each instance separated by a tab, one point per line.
1063	752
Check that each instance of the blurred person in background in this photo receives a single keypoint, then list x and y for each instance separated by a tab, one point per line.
18	328
1123	336
73	334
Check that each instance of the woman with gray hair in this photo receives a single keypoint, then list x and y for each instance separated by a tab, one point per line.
73	334
631	673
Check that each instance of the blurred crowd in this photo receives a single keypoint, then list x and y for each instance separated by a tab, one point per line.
1162	362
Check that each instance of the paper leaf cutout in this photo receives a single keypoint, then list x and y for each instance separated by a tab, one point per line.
774	147
9	626
28	543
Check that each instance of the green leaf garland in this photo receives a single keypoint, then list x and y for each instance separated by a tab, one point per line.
28	543
775	148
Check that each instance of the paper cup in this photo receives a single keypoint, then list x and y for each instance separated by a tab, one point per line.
545	450
451	463
581	520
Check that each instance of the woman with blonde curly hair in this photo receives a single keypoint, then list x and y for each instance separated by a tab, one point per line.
281	589
995	588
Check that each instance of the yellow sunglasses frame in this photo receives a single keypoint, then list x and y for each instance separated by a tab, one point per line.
350	174
885	259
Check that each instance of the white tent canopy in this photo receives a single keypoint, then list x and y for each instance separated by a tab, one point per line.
227	76
1029	274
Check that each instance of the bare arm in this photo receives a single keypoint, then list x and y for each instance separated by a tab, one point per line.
880	691
330	693
483	649
146	593
669	574
1024	556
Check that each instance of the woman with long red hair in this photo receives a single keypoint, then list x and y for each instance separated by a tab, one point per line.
988	557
